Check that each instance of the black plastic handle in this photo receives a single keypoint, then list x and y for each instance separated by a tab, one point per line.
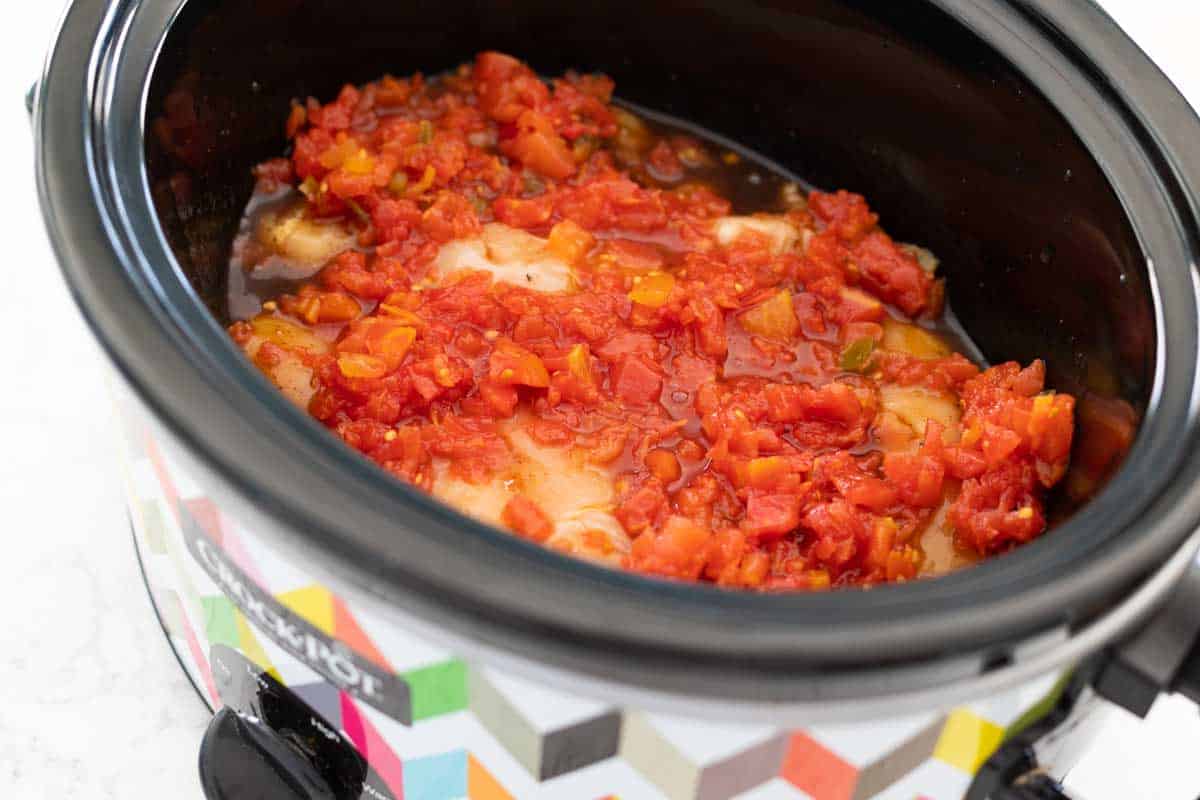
1162	656
243	759
1039	787
268	744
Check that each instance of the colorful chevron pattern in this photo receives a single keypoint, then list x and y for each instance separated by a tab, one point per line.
474	732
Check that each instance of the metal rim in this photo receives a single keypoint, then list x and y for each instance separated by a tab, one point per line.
94	199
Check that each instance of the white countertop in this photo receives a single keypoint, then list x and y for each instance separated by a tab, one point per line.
92	702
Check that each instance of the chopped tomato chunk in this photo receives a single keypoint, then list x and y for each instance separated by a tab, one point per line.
512	364
771	516
527	519
634	380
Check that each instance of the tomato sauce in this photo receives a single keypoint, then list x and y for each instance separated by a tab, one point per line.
626	340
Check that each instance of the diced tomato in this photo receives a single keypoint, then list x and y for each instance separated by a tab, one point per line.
767	472
962	462
608	444
917	478
678	550
569	242
879	547
997	509
902	564
838	529
635	380
511	364
632	256
527	519
893	274
663	465
723	560
856	308
640	509
834	402
538	147
739	404
523	213
774	318
499	399
1050	435
845	214
998	443
652	290
360	365
623	343
450	216
506	86
872	493
770	516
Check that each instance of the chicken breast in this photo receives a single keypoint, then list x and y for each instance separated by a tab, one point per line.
308	243
511	255
914	406
576	495
783	234
288	371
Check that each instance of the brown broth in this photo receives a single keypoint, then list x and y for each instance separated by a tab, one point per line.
255	274
751	183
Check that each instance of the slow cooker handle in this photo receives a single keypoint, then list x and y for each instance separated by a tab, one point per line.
1161	658
241	758
266	741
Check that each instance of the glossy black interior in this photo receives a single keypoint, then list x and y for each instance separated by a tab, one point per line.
952	146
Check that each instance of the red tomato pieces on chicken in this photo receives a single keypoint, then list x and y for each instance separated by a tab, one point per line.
730	380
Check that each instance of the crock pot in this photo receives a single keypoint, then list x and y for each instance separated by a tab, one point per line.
1030	144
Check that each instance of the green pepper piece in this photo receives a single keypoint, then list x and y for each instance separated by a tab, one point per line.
425	134
398	183
857	355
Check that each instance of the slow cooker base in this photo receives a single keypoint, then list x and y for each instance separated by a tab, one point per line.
158	615
222	579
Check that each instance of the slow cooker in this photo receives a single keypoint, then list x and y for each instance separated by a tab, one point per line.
362	640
